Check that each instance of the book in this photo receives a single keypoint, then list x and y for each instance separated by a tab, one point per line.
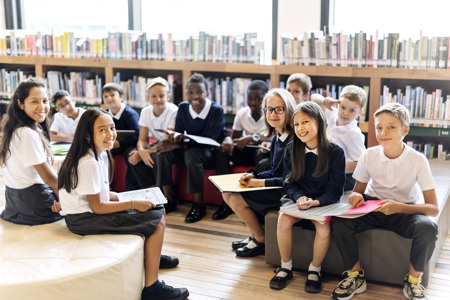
229	183
124	133
153	194
195	138
324	213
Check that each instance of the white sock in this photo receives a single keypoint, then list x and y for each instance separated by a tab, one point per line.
314	277
285	265
251	245
246	241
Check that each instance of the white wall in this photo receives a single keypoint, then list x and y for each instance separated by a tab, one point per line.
2	15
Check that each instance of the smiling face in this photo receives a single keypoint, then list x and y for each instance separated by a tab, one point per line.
104	133
390	134
348	111
276	120
36	105
66	106
296	90
112	100
306	129
254	100
196	94
158	96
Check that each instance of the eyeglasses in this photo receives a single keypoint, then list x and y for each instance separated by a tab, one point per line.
278	110
63	105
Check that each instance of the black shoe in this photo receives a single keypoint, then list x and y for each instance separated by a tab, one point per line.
250	252
170	206
165	292
313	286
278	282
239	244
196	214
222	212
168	262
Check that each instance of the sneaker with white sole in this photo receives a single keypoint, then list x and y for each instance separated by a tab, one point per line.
413	289
354	282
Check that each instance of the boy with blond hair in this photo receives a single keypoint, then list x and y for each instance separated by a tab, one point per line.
299	85
392	172
342	126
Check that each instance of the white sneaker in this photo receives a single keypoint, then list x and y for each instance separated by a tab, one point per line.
353	283
413	289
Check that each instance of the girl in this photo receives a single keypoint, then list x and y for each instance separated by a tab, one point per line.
31	182
90	207
317	178
278	106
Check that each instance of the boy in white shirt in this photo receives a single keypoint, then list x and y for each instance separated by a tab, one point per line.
342	126
66	119
392	172
160	114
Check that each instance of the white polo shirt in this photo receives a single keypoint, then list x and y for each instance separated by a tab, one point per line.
26	151
244	122
64	124
164	121
349	137
92	179
400	179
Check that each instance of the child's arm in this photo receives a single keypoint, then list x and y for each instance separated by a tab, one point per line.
325	102
429	208
54	137
356	198
103	208
350	167
144	153
50	178
241	141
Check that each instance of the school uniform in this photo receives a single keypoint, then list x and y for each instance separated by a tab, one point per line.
209	123
66	125
349	137
140	176
93	179
398	179
266	200
28	200
126	119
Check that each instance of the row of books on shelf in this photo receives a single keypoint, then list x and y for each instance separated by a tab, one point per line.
136	45
431	151
428	109
365	50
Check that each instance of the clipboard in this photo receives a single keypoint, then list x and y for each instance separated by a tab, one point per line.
229	183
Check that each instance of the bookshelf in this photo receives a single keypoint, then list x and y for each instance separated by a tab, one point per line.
375	78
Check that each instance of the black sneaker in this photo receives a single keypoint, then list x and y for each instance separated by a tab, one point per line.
165	292
353	283
168	262
413	289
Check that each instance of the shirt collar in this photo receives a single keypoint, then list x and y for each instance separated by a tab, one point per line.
204	113
119	114
397	160
283	137
312	151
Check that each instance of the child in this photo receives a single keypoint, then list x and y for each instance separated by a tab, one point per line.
160	114
124	117
31	183
392	172
299	85
247	128
278	106
202	117
66	119
90	208
343	127
316	177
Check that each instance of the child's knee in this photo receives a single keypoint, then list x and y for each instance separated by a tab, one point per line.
285	222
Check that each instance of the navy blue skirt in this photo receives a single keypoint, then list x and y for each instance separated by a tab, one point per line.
30	206
263	201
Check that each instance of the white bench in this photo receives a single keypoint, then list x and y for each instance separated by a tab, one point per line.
50	262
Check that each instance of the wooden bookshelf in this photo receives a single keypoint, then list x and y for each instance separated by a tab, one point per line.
374	77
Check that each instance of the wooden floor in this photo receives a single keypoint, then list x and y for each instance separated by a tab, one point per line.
210	269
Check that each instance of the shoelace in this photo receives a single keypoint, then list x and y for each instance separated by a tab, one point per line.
417	288
349	280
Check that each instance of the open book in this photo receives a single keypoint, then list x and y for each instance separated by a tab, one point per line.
124	133
229	183
153	194
195	138
324	213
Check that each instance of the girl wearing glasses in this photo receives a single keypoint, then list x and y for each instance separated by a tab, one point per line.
278	107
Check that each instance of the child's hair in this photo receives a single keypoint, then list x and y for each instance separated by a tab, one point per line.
198	78
301	79
157	81
354	93
395	109
15	118
290	104
298	153
83	141
60	94
258	85
112	87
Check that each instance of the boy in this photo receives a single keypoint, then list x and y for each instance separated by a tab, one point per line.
66	119
392	172
160	114
342	126
202	117
299	85
125	118
247	128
